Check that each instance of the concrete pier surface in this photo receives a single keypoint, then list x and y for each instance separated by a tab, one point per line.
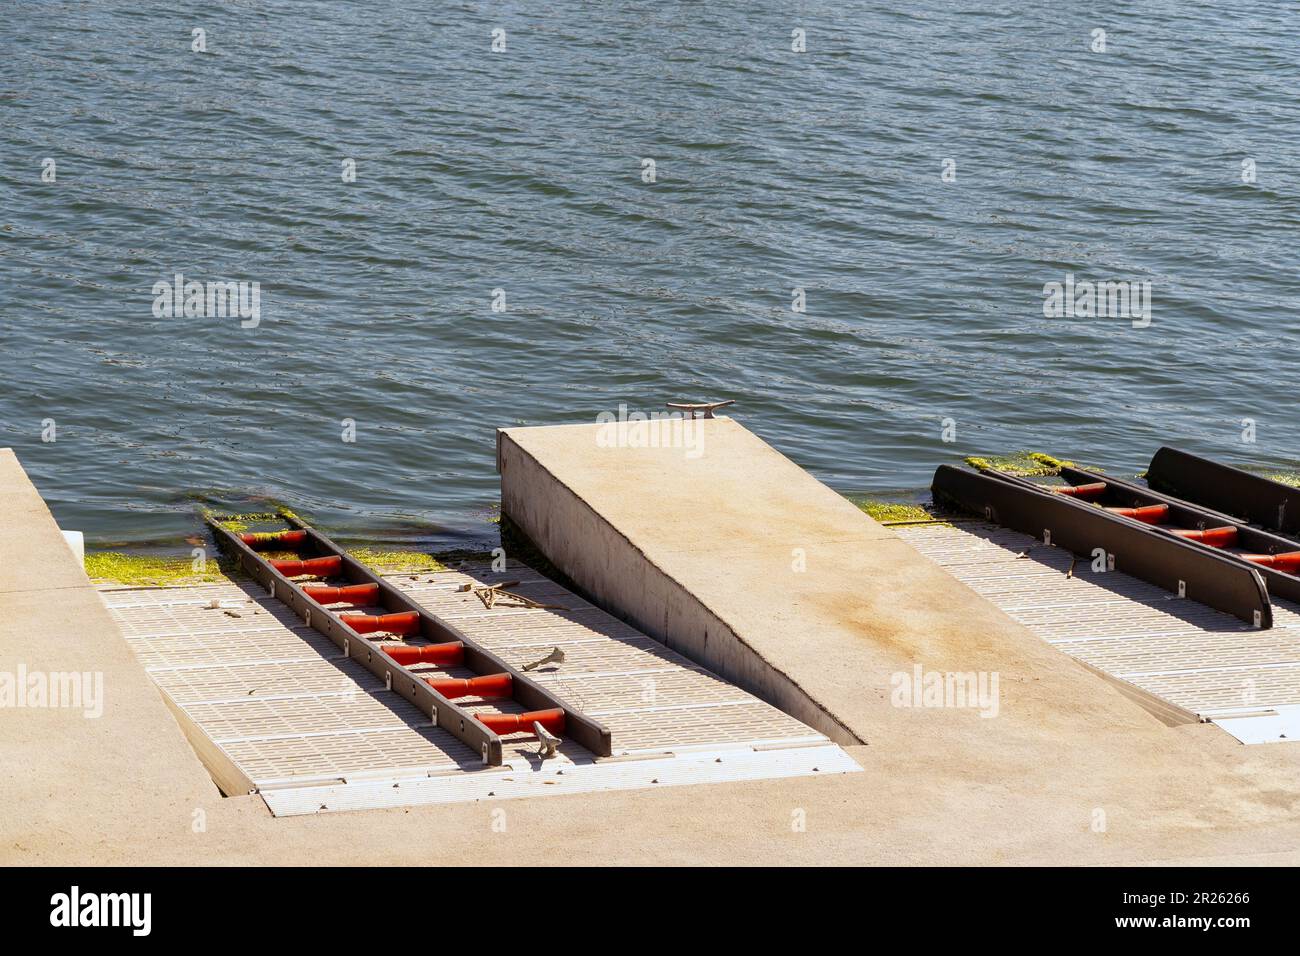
704	536
745	562
1069	771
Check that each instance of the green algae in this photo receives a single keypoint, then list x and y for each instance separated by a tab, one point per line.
240	523
384	561
1027	464
893	512
279	555
144	570
261	537
1283	477
243	522
388	561
141	570
111	567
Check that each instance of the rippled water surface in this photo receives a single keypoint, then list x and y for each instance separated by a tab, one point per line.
522	170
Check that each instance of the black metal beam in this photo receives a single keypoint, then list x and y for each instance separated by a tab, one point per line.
1253	498
1170	563
1280	584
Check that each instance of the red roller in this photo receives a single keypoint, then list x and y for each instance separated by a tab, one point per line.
352	594
275	541
1288	561
321	567
451	654
404	622
1148	514
490	685
1090	491
1225	537
551	720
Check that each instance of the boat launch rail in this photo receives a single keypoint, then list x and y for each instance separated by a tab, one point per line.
343	579
1128	543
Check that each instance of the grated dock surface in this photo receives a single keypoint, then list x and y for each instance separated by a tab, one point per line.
281	702
1200	660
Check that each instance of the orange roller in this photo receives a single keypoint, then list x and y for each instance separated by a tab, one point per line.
1090	491
1225	537
490	685
1288	561
441	655
1148	514
321	567
404	622
352	594
551	720
279	541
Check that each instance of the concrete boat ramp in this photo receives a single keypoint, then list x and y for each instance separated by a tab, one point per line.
761	651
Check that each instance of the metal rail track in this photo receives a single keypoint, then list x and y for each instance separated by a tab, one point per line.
1193	522
497	677
1186	569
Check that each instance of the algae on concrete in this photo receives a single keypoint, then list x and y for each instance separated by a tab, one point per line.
385	561
143	570
895	512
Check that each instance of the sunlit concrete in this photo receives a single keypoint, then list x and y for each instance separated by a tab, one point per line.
1067	773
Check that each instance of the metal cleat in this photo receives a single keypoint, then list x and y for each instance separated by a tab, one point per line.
707	408
548	740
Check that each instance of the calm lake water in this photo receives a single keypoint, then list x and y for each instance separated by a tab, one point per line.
523	170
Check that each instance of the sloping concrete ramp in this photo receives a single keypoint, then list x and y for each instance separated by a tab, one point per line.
705	537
